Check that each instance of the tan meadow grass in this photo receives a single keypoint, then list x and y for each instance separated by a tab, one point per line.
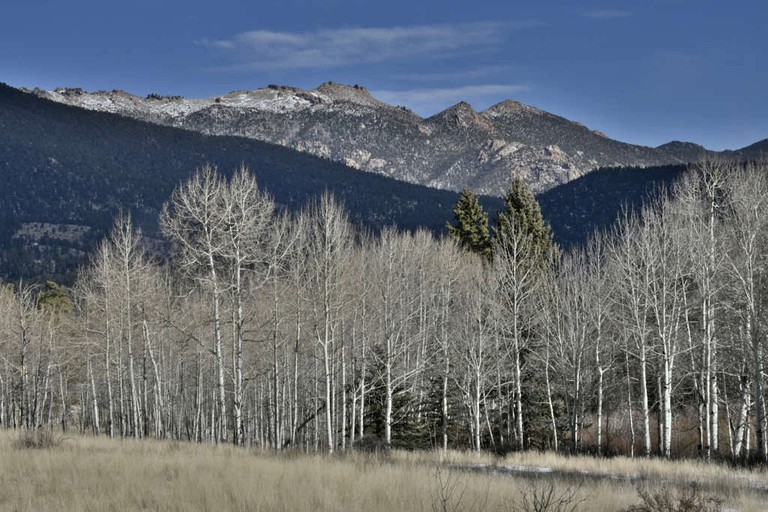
86	473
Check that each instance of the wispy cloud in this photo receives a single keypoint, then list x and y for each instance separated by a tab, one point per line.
427	101
459	74
335	48
608	14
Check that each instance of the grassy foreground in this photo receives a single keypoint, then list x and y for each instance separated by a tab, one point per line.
85	473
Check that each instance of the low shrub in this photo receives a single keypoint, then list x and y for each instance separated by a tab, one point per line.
691	499
37	440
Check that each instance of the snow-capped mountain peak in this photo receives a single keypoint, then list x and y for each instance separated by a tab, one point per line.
453	149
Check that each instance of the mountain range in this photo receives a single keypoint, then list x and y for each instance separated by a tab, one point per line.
65	173
68	166
453	149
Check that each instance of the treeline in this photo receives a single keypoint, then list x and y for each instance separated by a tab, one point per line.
297	331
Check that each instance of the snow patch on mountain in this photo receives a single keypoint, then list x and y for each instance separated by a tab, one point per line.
453	149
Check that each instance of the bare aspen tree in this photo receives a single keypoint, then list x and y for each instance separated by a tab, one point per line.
157	304
361	329
194	220
297	277
423	327
129	258
553	335
247	226
576	312
56	348
656	293
570	335
547	361
700	197
99	309
90	343
599	311
329	241
668	269
633	310
474	348
275	249
111	292
518	276
748	268
124	264
7	354
448	270
23	313
397	308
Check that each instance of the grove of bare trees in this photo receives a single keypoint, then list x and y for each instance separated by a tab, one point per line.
302	331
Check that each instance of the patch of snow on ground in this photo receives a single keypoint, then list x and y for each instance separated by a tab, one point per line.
266	100
525	469
179	108
176	108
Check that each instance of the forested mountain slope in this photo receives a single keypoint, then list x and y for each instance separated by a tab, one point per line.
65	172
595	201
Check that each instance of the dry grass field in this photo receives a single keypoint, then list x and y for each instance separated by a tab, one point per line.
85	473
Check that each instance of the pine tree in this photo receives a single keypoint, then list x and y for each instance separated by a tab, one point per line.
523	252
471	229
522	217
54	298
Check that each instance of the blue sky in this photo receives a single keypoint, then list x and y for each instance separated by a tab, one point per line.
641	71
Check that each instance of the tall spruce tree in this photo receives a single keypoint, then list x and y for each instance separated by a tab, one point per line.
522	217
523	252
471	228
